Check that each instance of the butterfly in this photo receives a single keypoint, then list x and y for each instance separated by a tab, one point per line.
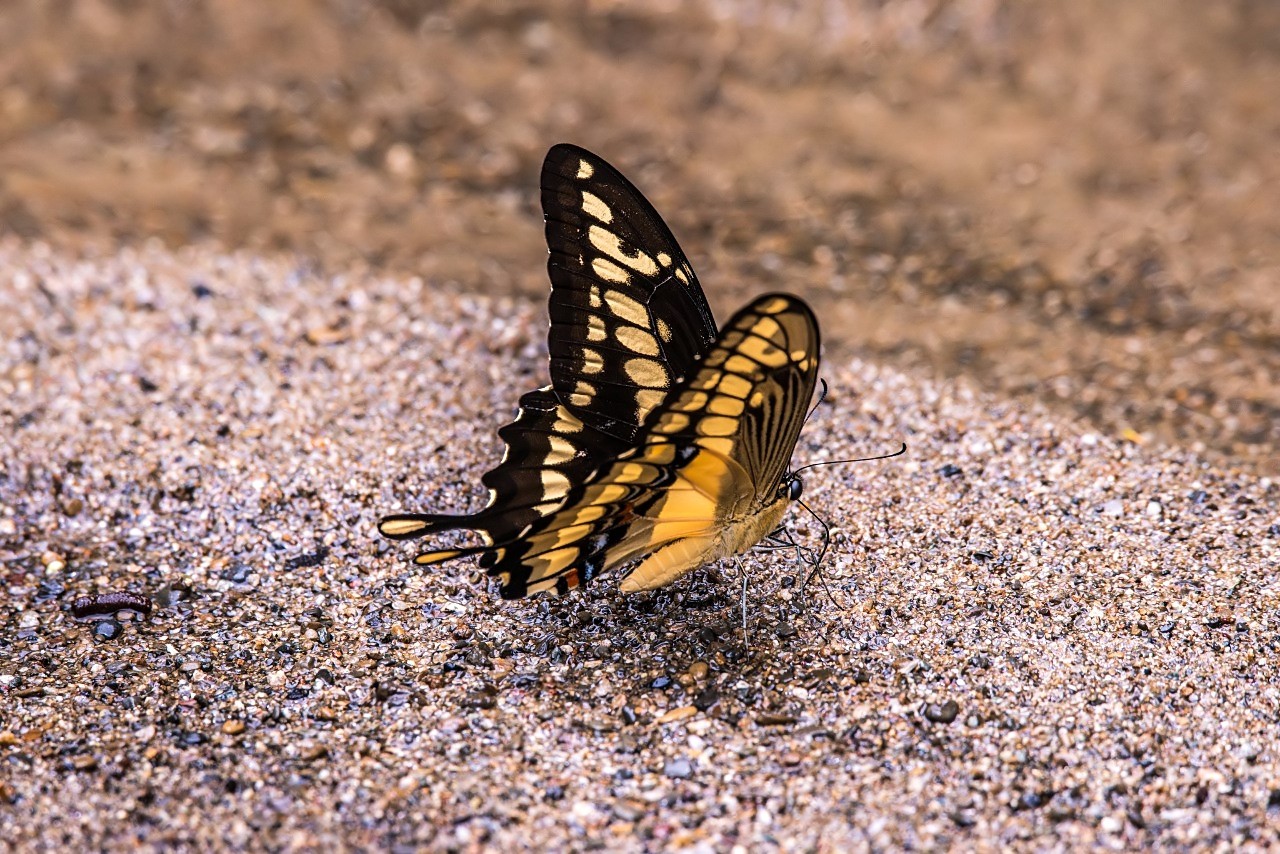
660	439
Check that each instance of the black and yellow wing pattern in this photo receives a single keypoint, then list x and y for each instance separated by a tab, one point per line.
628	320
656	436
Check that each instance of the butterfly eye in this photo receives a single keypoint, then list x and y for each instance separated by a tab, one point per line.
794	487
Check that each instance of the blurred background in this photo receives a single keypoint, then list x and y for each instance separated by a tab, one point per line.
1072	203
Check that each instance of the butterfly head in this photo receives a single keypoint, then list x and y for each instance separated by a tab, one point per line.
791	488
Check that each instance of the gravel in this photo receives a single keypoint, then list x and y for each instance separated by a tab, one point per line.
1007	646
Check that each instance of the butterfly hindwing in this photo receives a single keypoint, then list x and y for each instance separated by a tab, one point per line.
628	317
705	481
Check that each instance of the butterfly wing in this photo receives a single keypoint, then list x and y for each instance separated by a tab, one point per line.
628	317
705	481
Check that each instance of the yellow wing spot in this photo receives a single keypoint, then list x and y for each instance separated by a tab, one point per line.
584	387
585	170
664	330
648	398
673	422
554	484
757	400
561	451
763	352
554	561
773	306
586	514
608	243
660	454
717	425
731	339
595	207
715	358
592	361
664	259
559	537
580	399
766	327
596	329
637	340
801	358
722	404
631	472
735	386
646	372
610	272
401	527
738	364
594	298
628	309
691	401
723	447
682	276
608	493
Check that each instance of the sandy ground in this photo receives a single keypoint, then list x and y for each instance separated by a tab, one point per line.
271	270
1034	634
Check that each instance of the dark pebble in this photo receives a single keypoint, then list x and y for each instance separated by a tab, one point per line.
628	715
172	594
678	769
105	630
201	290
49	588
324	674
775	720
785	630
554	792
237	573
660	683
628	810
951	470
1030	801
309	559
706	698
108	603
942	713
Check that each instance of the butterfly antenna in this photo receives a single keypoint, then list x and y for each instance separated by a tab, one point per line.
896	453
822	395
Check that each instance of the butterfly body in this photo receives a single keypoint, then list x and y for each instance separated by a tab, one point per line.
660	439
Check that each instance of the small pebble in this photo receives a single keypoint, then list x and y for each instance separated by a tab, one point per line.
679	769
942	713
233	726
105	630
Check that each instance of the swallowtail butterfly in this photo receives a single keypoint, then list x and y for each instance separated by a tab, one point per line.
659	437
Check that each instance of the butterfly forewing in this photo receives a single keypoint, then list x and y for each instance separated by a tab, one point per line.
628	317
